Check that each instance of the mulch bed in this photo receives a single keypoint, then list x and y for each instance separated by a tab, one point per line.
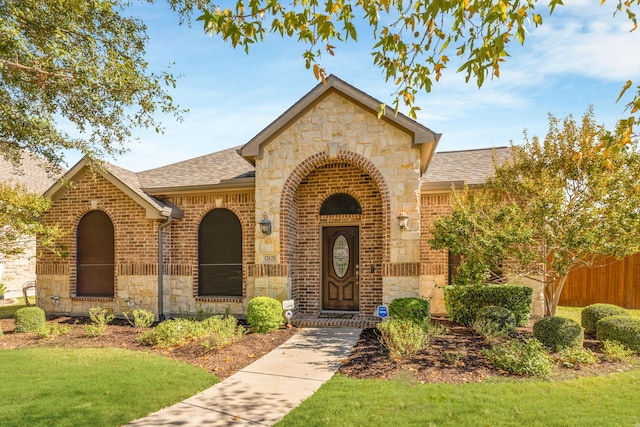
454	357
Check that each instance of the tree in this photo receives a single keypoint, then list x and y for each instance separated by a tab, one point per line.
78	61
19	213
558	205
414	40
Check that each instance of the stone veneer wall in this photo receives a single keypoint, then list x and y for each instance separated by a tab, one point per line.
135	250
15	270
181	253
337	130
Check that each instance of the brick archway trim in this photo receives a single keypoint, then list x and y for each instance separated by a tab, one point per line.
288	208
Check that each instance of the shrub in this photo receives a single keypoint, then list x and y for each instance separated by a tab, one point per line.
404	337
29	319
56	329
173	332
493	321
615	351
140	318
264	314
416	309
3	289
591	314
557	333
100	318
463	302
623	329
222	331
520	357
571	357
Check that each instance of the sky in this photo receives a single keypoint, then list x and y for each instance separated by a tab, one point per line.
580	57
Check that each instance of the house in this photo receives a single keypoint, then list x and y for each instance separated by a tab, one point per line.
32	175
329	206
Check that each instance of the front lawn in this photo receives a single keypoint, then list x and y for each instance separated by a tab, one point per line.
575	312
91	386
610	400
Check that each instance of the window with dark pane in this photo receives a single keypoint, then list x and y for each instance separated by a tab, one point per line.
95	255
340	204
220	254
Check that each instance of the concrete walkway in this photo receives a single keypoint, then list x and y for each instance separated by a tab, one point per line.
265	391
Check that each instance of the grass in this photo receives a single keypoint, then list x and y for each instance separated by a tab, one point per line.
90	386
609	400
7	311
574	313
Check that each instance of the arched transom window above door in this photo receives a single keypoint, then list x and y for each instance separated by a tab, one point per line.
340	204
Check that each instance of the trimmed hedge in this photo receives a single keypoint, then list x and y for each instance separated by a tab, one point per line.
463	302
264	314
30	319
557	333
495	320
591	314
415	309
623	329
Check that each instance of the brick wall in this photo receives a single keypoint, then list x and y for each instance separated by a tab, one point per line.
315	188
135	247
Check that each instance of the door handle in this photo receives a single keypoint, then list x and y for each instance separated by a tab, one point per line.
358	273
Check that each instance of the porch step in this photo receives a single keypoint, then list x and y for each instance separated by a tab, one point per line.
324	321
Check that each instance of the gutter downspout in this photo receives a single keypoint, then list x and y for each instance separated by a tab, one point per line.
161	315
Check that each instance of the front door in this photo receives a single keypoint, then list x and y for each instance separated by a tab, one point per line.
340	269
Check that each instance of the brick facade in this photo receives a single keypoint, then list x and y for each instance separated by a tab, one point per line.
332	145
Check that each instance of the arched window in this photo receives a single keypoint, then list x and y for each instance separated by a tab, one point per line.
95	245
340	204
220	254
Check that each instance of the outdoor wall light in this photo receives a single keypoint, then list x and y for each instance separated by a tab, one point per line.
130	302
56	299
265	225
403	221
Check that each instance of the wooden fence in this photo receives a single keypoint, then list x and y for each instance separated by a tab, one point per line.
616	282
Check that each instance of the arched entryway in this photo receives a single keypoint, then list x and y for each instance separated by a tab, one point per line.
334	197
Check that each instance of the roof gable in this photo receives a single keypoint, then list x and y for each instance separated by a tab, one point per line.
422	136
126	181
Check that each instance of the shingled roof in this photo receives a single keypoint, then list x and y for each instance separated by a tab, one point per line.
211	169
31	172
469	167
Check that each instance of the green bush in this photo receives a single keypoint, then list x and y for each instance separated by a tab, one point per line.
591	314
557	333
140	318
404	338
30	319
173	333
493	321
264	314
54	329
3	289
616	352
572	357
623	329
520	357
100	318
222	331
416	309
463	302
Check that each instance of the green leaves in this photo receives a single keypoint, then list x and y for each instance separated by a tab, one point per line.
19	213
557	205
77	60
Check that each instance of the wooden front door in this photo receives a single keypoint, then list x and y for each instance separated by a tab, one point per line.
340	269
